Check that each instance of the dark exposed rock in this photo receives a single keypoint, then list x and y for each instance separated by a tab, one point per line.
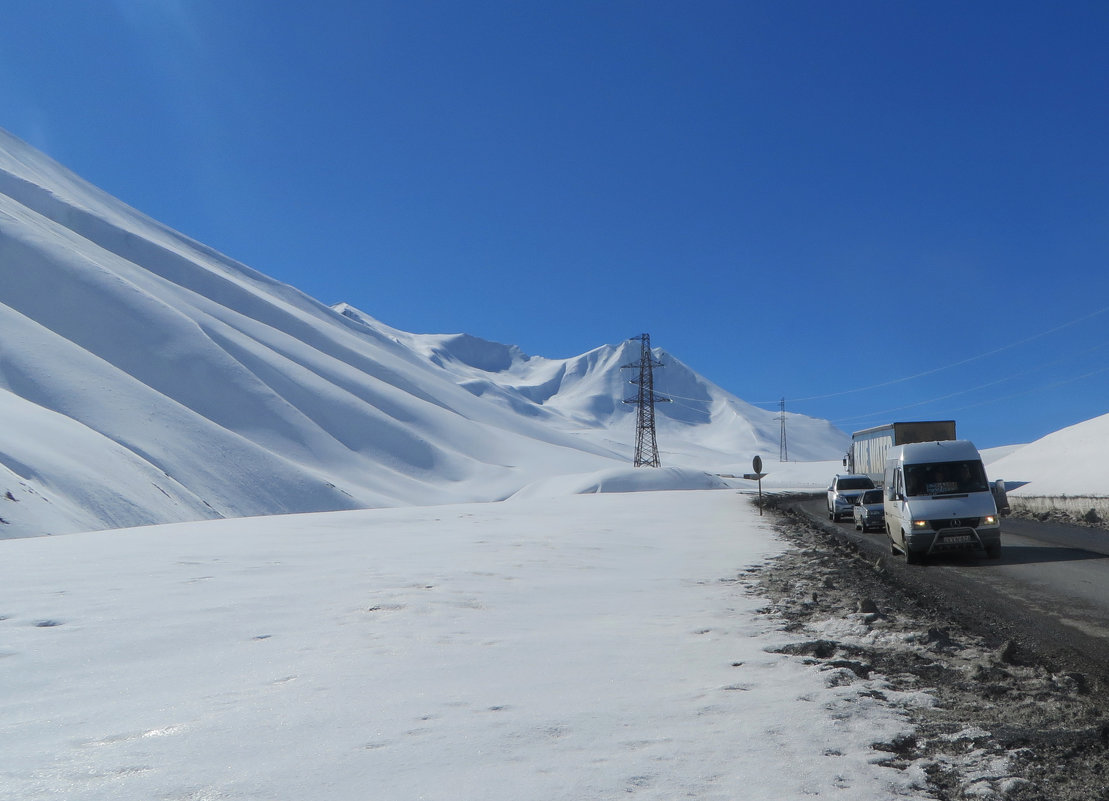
1004	725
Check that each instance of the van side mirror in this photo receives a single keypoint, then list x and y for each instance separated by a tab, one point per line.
1000	498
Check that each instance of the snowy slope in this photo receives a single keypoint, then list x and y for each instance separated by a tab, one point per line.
146	378
568	649
1071	461
587	393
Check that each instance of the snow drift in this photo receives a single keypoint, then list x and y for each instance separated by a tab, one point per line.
1062	474
1070	461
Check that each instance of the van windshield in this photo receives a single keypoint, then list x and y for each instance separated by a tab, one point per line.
945	478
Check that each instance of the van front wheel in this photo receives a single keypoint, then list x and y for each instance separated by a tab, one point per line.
911	556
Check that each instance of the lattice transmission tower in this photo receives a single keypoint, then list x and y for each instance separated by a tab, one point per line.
646	447
783	451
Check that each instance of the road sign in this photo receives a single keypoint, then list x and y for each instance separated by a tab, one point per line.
756	463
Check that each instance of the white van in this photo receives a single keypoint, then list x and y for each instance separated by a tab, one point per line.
938	500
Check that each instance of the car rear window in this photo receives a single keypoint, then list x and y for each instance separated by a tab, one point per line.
855	483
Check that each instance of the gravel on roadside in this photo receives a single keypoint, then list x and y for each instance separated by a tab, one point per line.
999	723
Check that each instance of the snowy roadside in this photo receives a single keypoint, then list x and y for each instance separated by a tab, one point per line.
995	722
581	647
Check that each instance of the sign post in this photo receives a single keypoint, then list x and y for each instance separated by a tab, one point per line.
756	464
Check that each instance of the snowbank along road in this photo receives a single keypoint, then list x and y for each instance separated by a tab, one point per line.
1010	651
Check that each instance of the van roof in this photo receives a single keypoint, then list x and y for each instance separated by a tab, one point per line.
952	450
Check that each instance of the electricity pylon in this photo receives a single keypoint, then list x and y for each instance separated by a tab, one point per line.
783	450
646	448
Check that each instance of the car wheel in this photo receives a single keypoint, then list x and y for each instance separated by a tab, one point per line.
993	551
911	557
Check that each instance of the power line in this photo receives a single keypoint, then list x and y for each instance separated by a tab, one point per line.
1036	389
671	399
935	370
671	396
880	413
876	414
983	386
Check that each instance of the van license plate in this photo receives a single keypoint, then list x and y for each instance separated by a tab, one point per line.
958	538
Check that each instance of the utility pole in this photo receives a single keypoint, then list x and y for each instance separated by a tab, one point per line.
783	451
646	448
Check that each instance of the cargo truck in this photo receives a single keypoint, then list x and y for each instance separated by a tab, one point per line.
867	455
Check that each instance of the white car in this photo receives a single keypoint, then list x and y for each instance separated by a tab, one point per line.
869	511
843	492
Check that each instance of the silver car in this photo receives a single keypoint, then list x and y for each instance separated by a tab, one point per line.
843	492
869	511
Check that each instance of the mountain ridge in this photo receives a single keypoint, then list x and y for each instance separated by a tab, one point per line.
147	378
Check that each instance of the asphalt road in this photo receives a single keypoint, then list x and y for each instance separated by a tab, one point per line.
1048	594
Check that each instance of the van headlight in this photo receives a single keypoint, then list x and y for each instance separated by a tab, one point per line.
989	520
920	524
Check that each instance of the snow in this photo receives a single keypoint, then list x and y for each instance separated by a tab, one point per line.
522	616
578	647
156	380
1070	461
622	479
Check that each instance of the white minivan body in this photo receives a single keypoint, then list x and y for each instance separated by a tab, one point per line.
937	499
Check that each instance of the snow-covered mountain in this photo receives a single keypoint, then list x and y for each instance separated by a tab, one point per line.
586	393
147	378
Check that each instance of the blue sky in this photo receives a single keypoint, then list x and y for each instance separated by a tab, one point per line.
877	210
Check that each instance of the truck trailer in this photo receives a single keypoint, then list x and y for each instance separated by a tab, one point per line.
867	455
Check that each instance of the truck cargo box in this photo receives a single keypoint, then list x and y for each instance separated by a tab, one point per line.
867	455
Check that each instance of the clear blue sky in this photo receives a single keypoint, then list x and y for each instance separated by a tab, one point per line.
798	199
